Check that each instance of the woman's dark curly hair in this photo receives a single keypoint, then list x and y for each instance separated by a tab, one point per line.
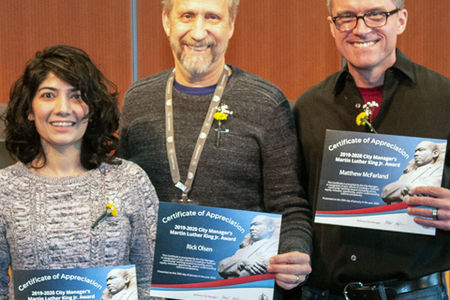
73	66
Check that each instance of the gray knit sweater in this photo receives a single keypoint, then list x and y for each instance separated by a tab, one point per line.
45	222
255	168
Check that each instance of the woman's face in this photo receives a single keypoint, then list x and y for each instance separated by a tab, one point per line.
59	114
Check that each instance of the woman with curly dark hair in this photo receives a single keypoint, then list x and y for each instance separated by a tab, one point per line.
60	126
74	67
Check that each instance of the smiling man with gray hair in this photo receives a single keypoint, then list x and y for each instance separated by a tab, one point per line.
212	134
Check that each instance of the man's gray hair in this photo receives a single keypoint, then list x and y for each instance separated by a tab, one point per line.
232	7
400	4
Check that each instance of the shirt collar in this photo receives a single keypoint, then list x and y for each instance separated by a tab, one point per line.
402	68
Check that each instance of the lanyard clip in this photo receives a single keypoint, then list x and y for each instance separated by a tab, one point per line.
184	197
181	186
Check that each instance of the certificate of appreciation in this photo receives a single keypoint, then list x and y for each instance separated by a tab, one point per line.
365	178
76	284
215	253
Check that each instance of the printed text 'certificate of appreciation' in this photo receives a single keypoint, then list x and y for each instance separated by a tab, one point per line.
76	284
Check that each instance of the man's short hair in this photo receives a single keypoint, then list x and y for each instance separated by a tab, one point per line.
124	274
434	147
400	4
232	7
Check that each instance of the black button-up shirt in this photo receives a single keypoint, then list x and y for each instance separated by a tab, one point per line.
416	102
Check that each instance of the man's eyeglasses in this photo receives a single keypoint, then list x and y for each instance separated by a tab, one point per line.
372	19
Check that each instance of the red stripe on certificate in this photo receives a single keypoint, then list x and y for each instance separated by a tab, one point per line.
371	210
217	283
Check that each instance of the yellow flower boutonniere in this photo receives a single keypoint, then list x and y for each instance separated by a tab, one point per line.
221	115
363	117
110	210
